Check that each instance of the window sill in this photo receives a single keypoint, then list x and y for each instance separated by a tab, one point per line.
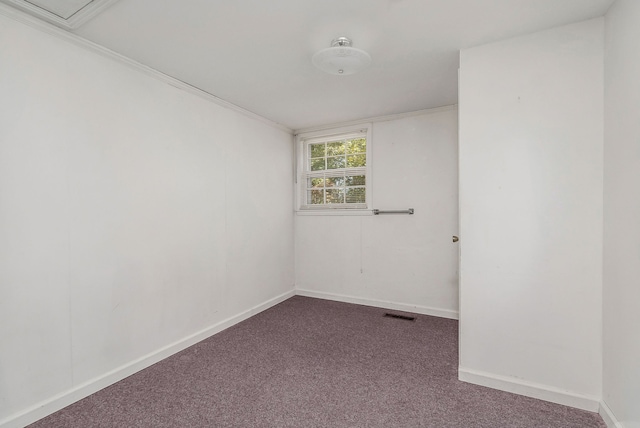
338	212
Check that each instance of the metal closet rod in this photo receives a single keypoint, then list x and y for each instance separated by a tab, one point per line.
408	211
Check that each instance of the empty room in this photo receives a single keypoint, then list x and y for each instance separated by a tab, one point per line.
357	213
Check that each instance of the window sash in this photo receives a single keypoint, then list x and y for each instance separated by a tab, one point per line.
343	173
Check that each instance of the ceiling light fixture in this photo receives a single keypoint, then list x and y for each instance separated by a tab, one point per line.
341	59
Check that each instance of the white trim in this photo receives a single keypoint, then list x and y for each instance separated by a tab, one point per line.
50	29
88	12
376	119
79	392
343	136
529	389
608	416
405	307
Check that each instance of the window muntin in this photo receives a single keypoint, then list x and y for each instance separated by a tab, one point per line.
335	172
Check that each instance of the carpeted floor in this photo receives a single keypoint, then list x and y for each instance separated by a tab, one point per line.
315	363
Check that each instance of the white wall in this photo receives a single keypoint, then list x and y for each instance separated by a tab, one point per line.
132	216
622	213
396	261
531	144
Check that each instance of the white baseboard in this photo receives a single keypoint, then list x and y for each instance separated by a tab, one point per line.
529	389
609	417
405	307
79	392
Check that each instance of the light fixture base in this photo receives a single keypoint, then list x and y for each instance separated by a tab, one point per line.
341	41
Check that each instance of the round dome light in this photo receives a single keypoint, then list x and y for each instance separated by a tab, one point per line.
341	59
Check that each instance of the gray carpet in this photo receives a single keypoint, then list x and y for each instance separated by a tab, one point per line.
314	363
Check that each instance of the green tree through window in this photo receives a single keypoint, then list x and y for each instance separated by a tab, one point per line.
335	173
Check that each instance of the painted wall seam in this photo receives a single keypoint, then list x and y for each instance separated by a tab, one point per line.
608	416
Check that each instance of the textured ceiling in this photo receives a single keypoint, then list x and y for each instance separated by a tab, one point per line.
257	54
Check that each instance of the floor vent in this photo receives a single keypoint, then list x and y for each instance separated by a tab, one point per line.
400	317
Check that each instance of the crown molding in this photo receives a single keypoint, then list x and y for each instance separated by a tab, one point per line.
377	119
57	32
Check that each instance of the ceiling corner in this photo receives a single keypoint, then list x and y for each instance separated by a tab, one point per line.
66	14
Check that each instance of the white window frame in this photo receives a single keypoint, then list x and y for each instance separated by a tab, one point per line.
303	140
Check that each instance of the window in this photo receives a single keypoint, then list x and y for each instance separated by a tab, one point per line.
334	171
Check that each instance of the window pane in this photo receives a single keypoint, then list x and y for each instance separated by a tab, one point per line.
336	162
355	180
356	195
358	145
335	181
316	182
335	196
335	148
356	160
317	150
317	164
315	197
